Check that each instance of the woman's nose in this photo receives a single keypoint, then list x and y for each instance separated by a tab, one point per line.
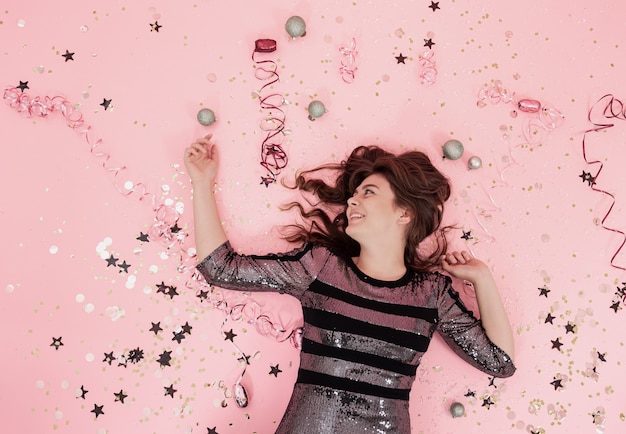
352	201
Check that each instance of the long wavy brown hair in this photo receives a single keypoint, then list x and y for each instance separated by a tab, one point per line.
417	185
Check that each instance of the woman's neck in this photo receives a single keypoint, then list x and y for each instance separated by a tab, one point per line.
381	264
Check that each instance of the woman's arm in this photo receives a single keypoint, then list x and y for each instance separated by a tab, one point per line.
201	162
493	317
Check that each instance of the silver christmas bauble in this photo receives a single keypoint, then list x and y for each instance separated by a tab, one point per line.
453	149
206	117
295	26
316	109
457	409
474	163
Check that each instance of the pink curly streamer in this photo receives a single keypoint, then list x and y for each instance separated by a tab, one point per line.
165	217
547	119
428	74
348	68
612	109
273	156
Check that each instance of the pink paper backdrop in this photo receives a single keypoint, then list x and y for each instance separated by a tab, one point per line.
92	346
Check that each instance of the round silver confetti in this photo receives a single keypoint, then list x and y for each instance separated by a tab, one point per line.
474	163
295	26
316	109
457	409
453	149
206	117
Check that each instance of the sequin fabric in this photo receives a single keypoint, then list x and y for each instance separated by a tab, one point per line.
363	338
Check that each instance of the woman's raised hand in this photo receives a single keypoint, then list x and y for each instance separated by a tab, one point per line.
463	265
201	160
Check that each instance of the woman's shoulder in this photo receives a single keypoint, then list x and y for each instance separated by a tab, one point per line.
433	280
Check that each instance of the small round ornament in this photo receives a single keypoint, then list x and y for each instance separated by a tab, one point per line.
316	109
457	409
206	117
295	26
453	149
474	163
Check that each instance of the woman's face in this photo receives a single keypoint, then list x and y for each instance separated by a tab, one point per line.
372	212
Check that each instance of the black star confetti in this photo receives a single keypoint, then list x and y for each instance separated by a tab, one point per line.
244	358
154	27
211	430
186	328
487	402
164	358
175	229
586	177
470	394
108	358
122	360
203	295
23	86
467	235
492	382
120	396
171	291
556	344
557	383
178	336
601	356
549	319
68	55
112	260
56	342
275	370
169	390
621	292
428	43
162	287
266	180
83	392
615	306
229	336
400	58
143	237
434	6
156	327
543	291
106	103
97	410
569	328
124	267
135	355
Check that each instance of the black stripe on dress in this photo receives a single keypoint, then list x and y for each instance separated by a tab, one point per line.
338	383
337	322
315	348
425	313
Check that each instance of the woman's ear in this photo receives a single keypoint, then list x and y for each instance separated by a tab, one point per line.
405	217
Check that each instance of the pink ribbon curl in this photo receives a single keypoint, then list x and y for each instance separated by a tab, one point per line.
428	74
543	120
164	228
348	67
611	109
273	156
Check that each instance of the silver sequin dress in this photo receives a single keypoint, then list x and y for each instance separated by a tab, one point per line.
363	338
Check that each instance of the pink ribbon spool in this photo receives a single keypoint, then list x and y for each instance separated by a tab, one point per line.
529	105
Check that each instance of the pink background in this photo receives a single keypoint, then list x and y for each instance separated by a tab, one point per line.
532	217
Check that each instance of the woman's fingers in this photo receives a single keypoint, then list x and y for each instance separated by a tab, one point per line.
455	258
